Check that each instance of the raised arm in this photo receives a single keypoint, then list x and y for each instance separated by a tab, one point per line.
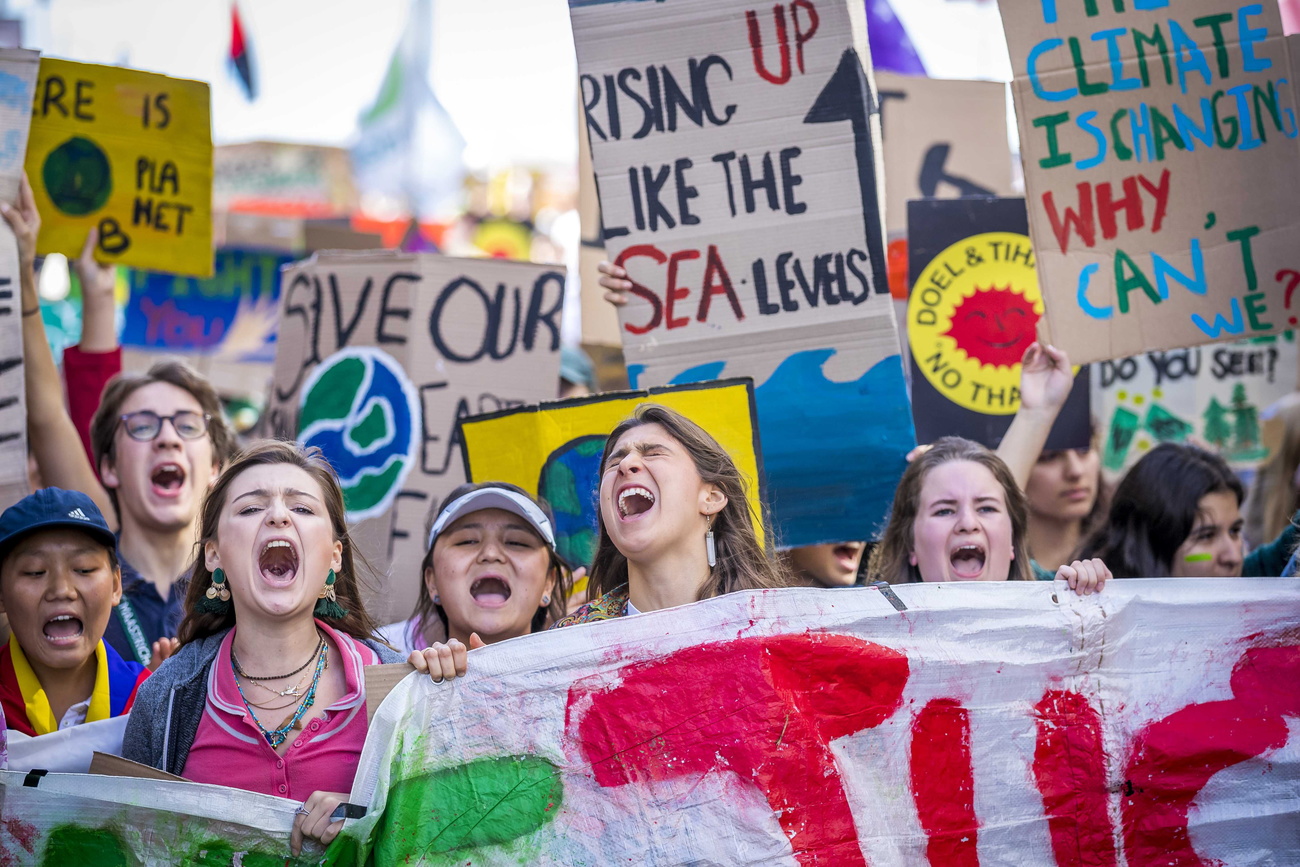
88	366
1045	382
51	436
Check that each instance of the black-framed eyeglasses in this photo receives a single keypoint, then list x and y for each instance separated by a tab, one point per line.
145	425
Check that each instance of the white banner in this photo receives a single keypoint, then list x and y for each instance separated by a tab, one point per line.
985	724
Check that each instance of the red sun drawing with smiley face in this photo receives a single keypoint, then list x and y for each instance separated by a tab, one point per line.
994	326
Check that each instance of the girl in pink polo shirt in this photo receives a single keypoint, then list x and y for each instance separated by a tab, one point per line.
266	692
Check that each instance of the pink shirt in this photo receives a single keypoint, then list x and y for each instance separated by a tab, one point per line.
229	750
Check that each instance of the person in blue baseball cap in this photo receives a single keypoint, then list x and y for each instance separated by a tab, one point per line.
59	581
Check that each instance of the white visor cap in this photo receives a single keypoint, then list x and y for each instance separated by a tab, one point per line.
494	498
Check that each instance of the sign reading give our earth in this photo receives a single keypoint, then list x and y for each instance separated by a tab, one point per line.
128	153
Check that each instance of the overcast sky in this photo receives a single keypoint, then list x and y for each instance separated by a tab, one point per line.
504	69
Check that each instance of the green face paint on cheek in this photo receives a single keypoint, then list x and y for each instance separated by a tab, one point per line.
1198	558
489	801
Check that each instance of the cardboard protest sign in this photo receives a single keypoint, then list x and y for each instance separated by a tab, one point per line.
1159	146
942	138
988	723
1211	395
231	314
64	819
380	354
553	450
972	314
18	70
13	392
599	318
129	153
737	154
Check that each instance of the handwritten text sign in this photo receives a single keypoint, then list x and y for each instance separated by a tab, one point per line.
129	153
1211	395
1007	723
737	155
379	355
1160	154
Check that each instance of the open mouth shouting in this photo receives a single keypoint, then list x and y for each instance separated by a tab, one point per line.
278	562
490	591
167	479
63	630
634	500
967	561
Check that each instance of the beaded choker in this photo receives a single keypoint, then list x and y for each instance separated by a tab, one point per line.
276	737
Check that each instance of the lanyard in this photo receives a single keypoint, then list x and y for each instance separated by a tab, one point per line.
134	634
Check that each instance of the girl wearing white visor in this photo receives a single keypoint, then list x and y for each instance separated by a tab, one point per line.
491	571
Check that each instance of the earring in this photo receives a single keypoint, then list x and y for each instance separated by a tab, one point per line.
327	604
436	599
546	599
216	600
710	549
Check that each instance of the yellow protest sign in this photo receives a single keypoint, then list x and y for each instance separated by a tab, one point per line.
553	450
129	153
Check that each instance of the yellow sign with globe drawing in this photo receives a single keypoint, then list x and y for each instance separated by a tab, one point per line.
128	153
973	313
553	450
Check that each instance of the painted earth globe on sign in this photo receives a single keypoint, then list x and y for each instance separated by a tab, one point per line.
77	177
361	411
569	482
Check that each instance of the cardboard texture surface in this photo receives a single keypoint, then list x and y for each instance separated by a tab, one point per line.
737	154
18	71
380	354
599	318
988	723
973	313
128	152
1209	395
1160	153
553	450
942	138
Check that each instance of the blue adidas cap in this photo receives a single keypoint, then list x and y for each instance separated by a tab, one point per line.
49	508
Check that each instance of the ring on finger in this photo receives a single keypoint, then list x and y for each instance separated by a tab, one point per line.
302	811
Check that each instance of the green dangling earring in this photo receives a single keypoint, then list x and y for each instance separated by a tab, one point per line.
217	598
328	603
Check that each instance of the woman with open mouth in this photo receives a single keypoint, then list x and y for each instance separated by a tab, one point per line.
491	571
266	692
958	515
675	524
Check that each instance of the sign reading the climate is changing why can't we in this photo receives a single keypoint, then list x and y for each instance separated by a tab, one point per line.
378	357
1160	151
128	153
737	154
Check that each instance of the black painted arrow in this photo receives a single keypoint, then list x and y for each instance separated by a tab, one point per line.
847	96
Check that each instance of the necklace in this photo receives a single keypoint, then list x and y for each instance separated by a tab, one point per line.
239	669
294	691
276	737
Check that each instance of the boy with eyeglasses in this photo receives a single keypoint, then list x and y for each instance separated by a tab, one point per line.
158	440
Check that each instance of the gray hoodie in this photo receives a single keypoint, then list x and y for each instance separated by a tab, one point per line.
169	705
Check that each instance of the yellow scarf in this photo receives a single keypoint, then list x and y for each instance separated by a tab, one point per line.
39	712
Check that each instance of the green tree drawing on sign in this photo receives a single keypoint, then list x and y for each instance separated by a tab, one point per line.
1217	429
1245	419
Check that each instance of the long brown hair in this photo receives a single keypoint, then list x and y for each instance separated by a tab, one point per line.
890	561
347	587
1274	497
425	608
742	563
